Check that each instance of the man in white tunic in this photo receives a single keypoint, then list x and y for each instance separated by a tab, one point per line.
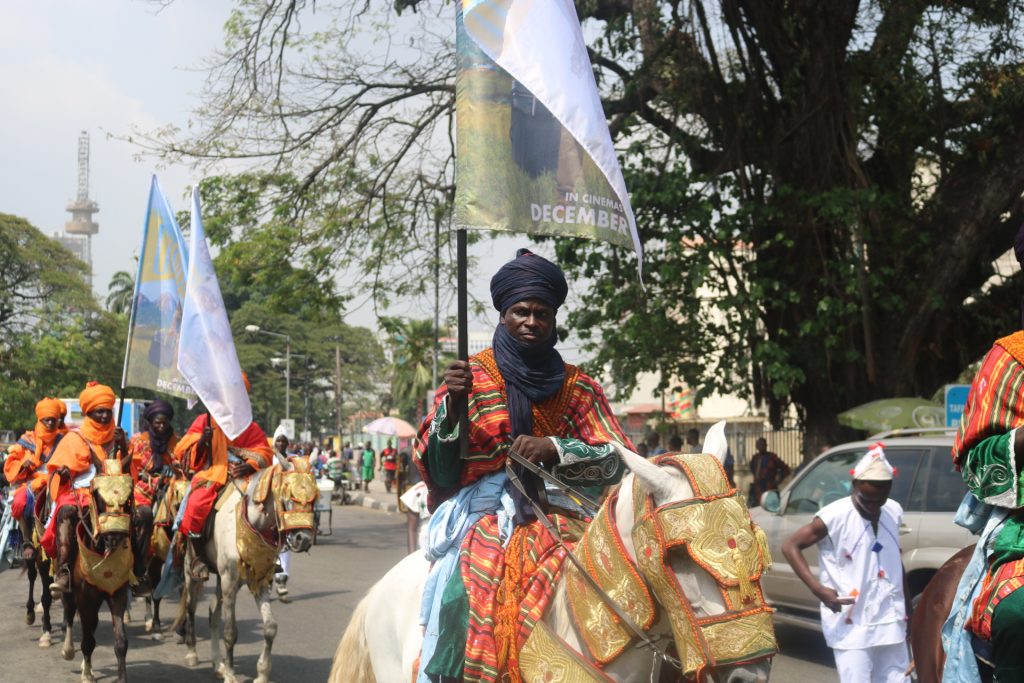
864	610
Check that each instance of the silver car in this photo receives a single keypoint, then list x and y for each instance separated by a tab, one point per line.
926	485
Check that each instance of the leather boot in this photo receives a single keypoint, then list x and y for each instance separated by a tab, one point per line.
198	569
62	579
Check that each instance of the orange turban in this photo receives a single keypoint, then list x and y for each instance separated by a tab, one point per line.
49	407
63	408
96	396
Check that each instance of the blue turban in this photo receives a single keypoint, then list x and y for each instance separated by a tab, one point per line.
158	442
528	276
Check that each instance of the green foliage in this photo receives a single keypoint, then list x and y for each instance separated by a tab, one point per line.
36	270
412	343
821	188
120	292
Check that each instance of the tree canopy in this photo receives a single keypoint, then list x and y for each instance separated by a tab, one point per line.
821	188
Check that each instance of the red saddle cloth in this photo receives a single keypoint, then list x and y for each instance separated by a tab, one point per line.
508	589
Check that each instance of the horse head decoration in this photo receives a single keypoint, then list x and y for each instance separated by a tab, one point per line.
295	499
105	559
666	574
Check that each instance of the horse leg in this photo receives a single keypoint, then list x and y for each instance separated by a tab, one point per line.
30	604
90	616
46	600
269	632
191	594
217	628
229	593
118	603
147	618
68	651
155	627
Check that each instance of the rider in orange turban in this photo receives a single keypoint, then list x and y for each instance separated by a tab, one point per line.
96	440
25	465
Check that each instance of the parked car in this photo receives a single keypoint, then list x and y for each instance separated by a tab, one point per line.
926	485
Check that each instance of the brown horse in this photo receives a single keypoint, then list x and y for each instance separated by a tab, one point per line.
101	565
36	564
932	609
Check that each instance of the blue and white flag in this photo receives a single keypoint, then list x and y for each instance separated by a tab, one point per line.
206	353
151	361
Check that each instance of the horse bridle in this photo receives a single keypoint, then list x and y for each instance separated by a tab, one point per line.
645	639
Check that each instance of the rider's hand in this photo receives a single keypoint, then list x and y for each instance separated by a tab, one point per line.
64	473
536	449
241	469
119	439
830	598
27	466
459	380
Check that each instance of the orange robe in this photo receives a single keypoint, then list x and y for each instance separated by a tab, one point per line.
26	450
251	446
76	453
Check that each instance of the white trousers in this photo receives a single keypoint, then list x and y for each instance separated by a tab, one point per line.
879	664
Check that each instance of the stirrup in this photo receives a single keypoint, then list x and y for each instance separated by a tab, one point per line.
61	582
142	589
198	569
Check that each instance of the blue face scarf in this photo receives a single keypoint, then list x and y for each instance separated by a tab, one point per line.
532	373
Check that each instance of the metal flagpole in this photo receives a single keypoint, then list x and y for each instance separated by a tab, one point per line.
463	297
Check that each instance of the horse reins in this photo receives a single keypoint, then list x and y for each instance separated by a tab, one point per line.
645	639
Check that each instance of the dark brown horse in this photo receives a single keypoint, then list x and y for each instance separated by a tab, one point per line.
101	566
36	565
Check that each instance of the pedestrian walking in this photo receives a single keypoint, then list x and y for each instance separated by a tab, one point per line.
864	606
369	464
389	465
768	469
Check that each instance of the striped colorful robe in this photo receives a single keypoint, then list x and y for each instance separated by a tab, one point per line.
578	416
983	451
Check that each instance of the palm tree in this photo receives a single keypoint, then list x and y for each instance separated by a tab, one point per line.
412	352
120	292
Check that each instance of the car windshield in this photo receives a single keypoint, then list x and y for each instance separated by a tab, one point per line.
829	480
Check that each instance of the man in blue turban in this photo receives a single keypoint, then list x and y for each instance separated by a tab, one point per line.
519	395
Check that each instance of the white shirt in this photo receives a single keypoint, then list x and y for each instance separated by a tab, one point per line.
854	561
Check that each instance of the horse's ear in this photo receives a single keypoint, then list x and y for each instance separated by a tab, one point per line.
658	481
715	442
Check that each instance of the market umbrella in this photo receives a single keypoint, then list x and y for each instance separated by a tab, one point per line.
391	426
894	413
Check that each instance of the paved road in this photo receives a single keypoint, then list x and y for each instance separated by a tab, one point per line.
326	585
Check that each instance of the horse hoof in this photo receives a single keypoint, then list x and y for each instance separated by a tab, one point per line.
68	654
44	640
192	659
30	617
39	608
149	626
157	636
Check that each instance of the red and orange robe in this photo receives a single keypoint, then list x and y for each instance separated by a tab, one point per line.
146	462
983	451
211	466
578	417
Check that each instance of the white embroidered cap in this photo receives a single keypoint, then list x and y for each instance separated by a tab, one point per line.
280	431
874	466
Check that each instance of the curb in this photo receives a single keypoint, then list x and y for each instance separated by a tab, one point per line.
368	501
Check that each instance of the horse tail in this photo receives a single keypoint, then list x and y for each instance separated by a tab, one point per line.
352	658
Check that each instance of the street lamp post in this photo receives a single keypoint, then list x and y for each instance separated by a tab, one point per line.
287	365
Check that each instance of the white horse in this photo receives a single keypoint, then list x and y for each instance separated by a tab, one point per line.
221	554
385	647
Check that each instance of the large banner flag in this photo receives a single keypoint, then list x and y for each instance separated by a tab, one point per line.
206	354
534	153
151	360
